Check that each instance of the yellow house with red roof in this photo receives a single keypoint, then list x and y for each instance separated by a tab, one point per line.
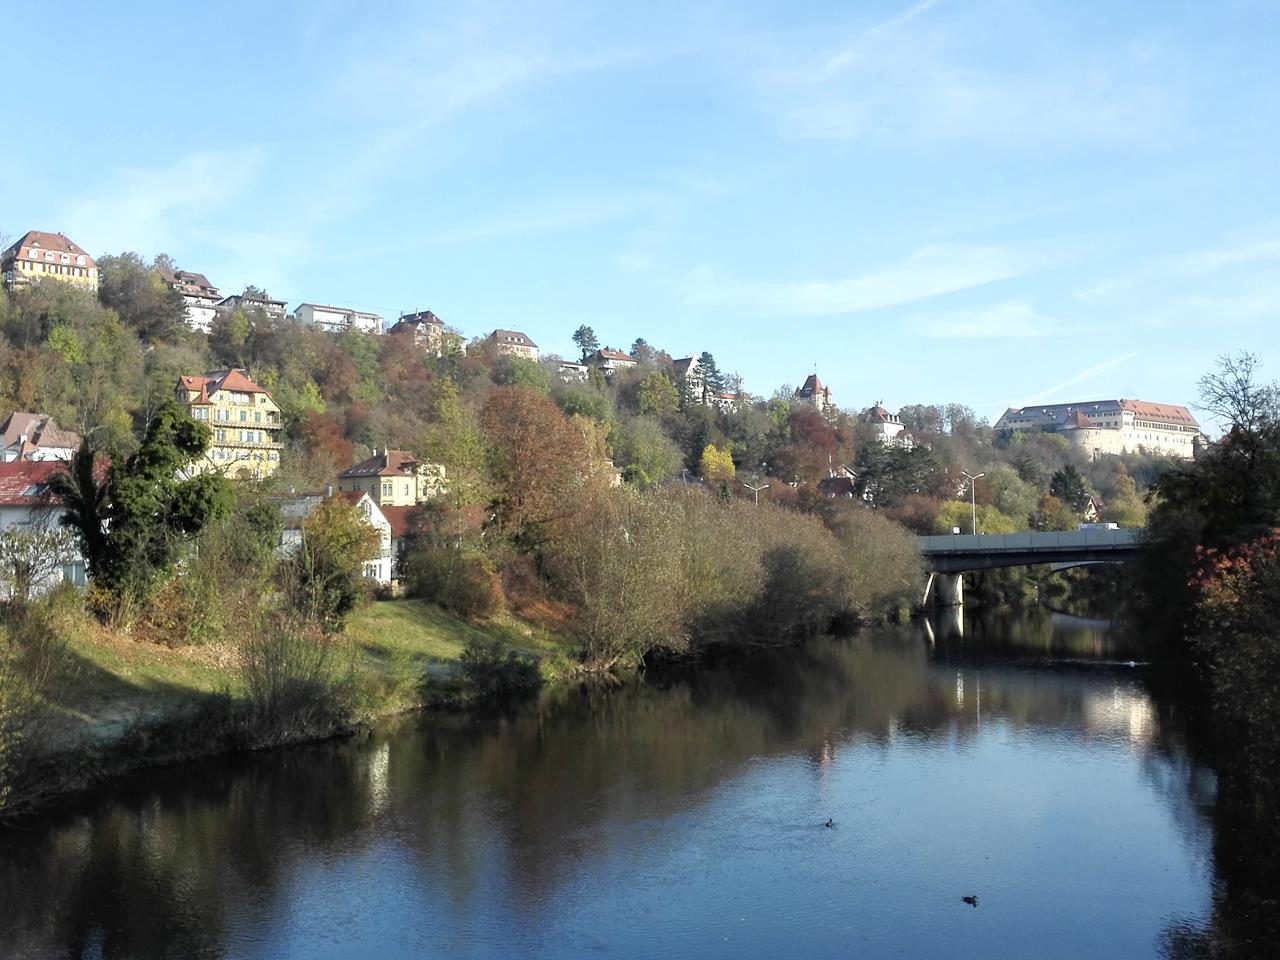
245	422
38	255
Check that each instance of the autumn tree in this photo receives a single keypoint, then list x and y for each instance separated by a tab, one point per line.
537	459
716	465
656	395
137	292
324	579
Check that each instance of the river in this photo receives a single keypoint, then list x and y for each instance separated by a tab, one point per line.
1024	764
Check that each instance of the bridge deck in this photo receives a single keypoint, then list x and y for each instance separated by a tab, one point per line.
959	552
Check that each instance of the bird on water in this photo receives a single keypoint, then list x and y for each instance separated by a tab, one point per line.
829	823
971	900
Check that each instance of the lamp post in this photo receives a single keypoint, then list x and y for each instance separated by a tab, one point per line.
973	496
756	490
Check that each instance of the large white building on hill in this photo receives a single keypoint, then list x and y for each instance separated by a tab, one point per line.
1113	426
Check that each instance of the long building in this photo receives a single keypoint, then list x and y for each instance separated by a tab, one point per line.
1113	426
48	256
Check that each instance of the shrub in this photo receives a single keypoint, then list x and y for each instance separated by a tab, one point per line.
296	681
490	672
32	653
458	579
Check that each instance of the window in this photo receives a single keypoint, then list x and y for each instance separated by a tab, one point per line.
80	259
50	256
66	258
257	416
244	416
33	253
222	435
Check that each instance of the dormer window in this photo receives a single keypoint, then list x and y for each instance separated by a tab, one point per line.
33	253
66	258
80	260
50	255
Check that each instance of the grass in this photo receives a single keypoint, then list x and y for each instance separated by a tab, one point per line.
112	680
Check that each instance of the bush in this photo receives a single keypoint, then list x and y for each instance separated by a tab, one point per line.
457	579
492	673
296	681
32	654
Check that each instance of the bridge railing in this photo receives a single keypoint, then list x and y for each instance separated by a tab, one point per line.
1023	542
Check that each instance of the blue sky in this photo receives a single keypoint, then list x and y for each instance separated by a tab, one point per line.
991	203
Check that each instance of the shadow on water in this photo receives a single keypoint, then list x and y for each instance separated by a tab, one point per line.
540	831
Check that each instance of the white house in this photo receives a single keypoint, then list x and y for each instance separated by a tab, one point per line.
337	319
609	360
515	343
200	296
297	508
51	556
275	309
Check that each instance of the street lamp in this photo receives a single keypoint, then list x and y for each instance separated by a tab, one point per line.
756	490
973	496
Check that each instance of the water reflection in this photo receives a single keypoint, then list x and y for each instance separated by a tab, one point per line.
677	817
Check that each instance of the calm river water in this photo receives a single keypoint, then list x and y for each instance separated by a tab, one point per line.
683	817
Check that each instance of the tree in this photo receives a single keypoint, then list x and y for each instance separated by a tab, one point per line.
1234	394
456	441
145	303
1052	514
324	580
30	556
716	465
712	379
512	371
656	395
644	453
586	340
1070	488
643	353
133	528
537	459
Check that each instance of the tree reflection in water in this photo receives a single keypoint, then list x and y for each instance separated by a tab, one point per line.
485	834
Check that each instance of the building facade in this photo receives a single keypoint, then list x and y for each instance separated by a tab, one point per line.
245	422
394	478
200	296
515	343
337	319
609	361
275	309
296	509
26	505
1113	426
48	256
888	427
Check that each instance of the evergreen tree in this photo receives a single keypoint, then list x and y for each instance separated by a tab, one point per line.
586	340
712	378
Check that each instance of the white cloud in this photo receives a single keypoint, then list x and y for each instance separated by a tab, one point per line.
928	272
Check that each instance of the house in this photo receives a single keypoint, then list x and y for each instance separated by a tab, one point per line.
406	526
1094	505
394	478
297	508
337	319
725	402
515	343
610	360
245	421
428	332
200	296
814	394
1112	426
26	504
37	255
572	372
34	436
275	309
888	427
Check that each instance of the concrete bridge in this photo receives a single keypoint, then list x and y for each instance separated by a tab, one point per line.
949	557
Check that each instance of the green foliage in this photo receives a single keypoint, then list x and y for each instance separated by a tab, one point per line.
324	580
512	371
141	298
492	671
656	395
958	513
1070	488
134	527
1052	514
644	452
586	340
458	579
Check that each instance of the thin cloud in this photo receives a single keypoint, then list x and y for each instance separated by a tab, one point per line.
1088	373
1010	320
928	272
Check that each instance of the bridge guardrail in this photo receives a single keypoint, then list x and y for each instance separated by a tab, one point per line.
1022	542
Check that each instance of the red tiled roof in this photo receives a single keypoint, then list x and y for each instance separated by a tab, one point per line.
401	519
55	242
616	355
389	463
234	380
1166	412
512	336
21	481
1079	421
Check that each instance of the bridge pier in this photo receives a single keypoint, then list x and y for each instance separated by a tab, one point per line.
950	589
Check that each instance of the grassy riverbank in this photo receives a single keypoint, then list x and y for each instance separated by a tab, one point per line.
114	702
